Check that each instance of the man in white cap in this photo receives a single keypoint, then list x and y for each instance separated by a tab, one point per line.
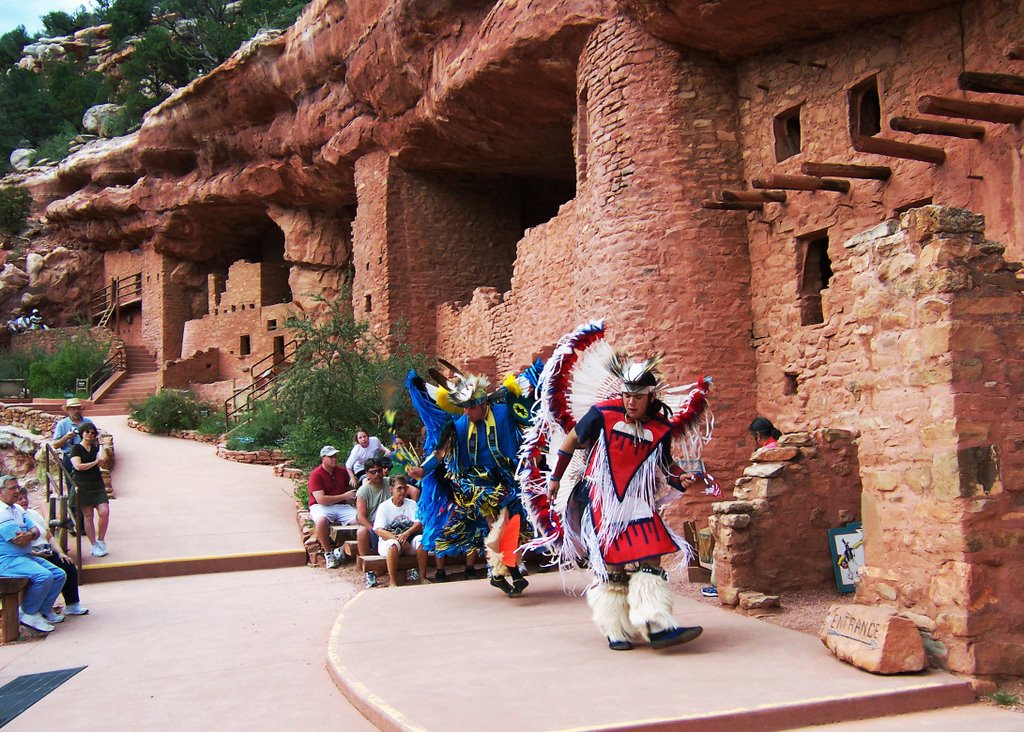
65	433
332	499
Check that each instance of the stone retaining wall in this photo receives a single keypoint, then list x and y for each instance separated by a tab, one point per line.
774	536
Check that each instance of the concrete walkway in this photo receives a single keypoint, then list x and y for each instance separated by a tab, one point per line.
537	663
231	651
176	499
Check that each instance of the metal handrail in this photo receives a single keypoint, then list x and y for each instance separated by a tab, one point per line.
262	384
59	484
118	361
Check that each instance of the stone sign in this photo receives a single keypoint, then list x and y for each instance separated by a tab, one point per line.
875	639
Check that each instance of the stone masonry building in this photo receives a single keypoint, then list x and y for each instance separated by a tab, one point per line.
803	199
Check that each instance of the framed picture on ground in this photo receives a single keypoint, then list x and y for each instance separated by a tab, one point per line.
847	547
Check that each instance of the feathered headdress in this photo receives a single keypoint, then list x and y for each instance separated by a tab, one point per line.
638	377
455	390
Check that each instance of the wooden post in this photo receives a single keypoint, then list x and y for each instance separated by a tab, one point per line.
753	196
936	127
731	206
10	587
977	81
802	183
847	170
896	149
985	111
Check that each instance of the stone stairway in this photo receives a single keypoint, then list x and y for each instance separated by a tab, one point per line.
139	383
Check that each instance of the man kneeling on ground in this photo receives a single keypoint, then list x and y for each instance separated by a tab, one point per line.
399	531
44	580
332	498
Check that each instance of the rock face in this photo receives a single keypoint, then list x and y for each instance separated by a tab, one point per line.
97	119
875	639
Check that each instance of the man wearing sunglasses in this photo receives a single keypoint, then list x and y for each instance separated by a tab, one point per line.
373	492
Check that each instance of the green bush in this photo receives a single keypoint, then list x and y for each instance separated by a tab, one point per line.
15	205
263	429
15	364
169	409
211	423
302	492
54	375
344	377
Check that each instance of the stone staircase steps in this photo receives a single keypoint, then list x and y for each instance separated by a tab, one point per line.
140	382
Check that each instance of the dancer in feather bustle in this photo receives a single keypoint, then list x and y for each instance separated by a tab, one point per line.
470	498
614	410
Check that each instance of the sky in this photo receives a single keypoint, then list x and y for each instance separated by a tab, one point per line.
28	12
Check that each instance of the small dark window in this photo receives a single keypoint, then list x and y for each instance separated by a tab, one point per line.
278	345
368	303
789	387
271	325
865	109
232	308
786	127
815	275
244	348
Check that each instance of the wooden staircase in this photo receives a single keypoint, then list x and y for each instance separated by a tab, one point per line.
140	382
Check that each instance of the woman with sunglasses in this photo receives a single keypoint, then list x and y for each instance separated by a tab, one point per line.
91	494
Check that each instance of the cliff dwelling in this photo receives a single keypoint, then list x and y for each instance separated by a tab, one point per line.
817	203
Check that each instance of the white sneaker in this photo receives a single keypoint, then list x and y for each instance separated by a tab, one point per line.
331	559
99	549
52	617
75	608
34	621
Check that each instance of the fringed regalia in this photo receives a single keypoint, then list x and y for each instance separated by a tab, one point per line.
606	513
469	474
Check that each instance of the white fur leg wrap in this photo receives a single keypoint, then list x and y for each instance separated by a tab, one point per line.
650	603
610	606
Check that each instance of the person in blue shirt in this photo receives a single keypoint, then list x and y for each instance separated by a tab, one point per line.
45	581
65	433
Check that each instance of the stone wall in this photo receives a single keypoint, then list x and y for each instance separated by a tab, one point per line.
937	326
799	381
774	536
48	340
239	318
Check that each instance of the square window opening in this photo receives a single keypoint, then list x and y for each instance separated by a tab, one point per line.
786	127
790	385
272	324
865	108
815	276
368	303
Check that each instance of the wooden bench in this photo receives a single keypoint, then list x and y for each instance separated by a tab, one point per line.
10	599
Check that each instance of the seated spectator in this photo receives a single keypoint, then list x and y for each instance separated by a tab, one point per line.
44	580
372	493
399	531
764	432
332	498
46	547
365	447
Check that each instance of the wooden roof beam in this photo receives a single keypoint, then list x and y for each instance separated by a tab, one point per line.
978	81
801	183
847	170
936	127
731	205
1010	114
897	149
753	196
